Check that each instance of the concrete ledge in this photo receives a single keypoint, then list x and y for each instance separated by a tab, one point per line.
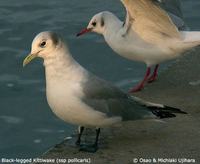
178	86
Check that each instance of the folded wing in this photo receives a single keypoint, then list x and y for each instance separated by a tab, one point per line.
108	99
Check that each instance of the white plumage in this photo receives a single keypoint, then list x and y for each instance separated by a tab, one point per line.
79	97
148	35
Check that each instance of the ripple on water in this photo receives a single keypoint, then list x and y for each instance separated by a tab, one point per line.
2	31
45	130
11	119
14	38
37	141
195	83
10	80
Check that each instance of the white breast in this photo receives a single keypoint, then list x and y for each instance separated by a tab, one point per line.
64	95
134	48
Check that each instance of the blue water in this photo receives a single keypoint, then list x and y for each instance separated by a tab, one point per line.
27	125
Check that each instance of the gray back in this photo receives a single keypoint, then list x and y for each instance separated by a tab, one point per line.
104	97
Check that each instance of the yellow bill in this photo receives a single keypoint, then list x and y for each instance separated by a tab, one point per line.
28	59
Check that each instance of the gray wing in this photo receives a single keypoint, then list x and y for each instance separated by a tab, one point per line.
106	98
180	24
173	8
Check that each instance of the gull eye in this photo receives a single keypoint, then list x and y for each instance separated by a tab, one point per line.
43	44
94	24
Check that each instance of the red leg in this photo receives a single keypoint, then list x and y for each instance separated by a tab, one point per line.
140	86
154	75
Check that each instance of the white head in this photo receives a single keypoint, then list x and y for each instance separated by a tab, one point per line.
43	45
99	23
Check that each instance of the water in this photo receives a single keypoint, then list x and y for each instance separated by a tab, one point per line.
27	125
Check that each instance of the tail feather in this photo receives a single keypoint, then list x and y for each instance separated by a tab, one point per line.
190	39
159	110
174	110
165	112
190	36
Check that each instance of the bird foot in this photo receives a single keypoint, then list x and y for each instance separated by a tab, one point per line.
152	79
136	89
92	148
142	83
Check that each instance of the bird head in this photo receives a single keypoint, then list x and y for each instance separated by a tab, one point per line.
96	24
42	46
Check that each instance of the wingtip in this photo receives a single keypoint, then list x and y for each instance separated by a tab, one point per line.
163	114
175	110
166	111
124	1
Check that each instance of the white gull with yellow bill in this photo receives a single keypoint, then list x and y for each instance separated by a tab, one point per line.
78	97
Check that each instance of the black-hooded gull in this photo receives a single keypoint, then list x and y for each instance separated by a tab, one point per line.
149	35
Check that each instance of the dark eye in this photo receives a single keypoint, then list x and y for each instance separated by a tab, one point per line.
42	45
94	24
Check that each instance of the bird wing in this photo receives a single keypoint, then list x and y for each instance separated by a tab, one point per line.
104	97
110	100
179	23
149	21
172	6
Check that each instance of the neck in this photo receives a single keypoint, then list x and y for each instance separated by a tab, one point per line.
62	68
59	56
113	25
59	63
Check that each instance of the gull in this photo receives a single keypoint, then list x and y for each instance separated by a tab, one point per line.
78	97
148	35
